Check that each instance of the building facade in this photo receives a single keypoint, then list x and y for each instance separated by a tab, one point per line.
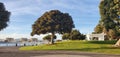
99	37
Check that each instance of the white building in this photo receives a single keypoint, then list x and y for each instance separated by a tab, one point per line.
99	37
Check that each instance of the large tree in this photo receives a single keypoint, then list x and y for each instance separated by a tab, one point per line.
53	22
110	18
4	16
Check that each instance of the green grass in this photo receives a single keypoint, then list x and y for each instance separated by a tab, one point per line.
87	46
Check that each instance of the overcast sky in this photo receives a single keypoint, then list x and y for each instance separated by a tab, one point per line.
85	14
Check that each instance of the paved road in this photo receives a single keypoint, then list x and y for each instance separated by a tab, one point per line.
14	52
63	55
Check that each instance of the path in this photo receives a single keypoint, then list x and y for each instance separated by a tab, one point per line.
14	52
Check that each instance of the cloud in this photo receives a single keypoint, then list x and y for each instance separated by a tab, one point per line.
42	5
85	13
20	7
16	36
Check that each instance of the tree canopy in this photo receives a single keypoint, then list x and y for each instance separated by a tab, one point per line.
110	17
4	16
53	22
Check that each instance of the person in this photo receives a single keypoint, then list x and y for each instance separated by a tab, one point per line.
24	44
16	44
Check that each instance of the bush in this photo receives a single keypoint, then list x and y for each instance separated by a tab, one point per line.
73	35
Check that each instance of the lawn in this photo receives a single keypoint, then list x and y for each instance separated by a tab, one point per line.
87	46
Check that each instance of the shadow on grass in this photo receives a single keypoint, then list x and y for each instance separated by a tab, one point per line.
103	42
89	49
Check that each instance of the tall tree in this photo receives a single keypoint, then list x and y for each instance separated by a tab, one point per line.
4	16
110	17
53	22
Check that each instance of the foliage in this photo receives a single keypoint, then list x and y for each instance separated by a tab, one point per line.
65	36
48	37
98	29
4	17
88	46
110	18
53	22
82	37
112	34
73	35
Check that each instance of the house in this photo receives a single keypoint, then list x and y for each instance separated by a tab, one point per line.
99	37
23	40
9	40
33	40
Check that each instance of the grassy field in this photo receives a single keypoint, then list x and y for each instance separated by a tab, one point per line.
87	46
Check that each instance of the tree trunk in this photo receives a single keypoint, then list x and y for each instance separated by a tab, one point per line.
52	38
117	43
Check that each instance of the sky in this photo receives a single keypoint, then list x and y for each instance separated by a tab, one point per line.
24	13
